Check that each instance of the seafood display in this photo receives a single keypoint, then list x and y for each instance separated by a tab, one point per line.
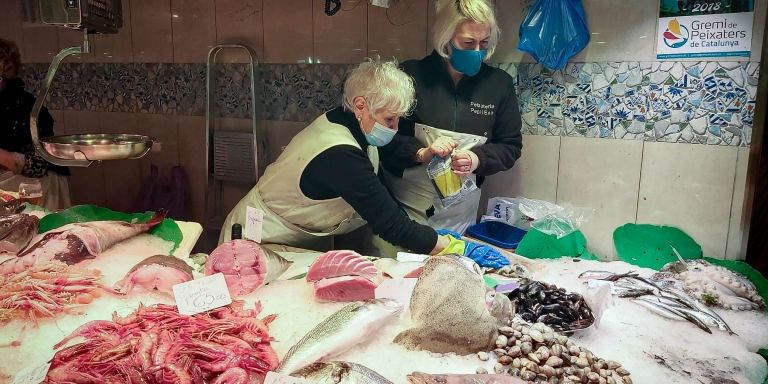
340	372
341	263
538	302
667	302
246	265
346	328
11	207
343	276
16	231
76	242
536	353
425	378
449	322
46	290
712	284
156	344
155	273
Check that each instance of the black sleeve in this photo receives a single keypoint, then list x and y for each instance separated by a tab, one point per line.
400	154
345	171
34	165
506	143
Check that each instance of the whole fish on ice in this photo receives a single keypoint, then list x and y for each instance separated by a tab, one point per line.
73	243
16	231
340	372
246	265
346	328
155	273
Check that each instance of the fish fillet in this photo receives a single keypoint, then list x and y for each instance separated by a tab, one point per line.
246	265
341	263
344	288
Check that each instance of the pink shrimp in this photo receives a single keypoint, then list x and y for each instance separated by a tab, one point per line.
234	375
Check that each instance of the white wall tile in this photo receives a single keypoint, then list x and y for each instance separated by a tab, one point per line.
691	187
604	175
733	248
533	176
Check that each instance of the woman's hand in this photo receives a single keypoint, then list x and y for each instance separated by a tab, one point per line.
442	147
8	161
464	162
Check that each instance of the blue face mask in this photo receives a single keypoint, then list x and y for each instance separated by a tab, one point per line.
467	61
379	135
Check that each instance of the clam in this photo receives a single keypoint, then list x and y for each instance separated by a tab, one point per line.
582	362
554	361
536	335
527	375
626	380
483	356
593	376
507	331
561	339
542	353
610	380
517	363
514	351
612	364
526	338
622	371
557	350
574	350
500	352
481	371
499	368
505	360
526	347
501	341
533	357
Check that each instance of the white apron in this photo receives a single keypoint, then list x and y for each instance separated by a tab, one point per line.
416	193
290	218
55	188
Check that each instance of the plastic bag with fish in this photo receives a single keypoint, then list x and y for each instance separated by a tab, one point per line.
16	231
453	310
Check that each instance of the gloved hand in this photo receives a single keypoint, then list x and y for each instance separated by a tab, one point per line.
482	254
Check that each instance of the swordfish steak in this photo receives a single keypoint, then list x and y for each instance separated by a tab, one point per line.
73	243
341	263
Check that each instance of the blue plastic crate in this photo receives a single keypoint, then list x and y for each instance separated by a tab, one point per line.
497	233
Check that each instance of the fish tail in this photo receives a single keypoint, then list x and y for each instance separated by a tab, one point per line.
157	218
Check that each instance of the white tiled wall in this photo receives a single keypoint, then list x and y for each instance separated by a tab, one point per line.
698	188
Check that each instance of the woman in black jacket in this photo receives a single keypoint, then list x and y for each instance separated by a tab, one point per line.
19	161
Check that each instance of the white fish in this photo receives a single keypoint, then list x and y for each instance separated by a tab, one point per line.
341	331
340	372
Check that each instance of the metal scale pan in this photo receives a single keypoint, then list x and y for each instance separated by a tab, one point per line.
90	16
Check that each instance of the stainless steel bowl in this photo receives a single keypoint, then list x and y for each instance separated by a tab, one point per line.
97	147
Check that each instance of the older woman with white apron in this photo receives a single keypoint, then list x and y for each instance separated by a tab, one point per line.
465	110
325	182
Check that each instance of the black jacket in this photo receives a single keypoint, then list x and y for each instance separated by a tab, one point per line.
345	171
15	107
483	105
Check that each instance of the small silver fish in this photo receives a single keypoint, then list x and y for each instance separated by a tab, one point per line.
341	331
340	372
677	310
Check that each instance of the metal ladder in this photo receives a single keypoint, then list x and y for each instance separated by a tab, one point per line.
236	156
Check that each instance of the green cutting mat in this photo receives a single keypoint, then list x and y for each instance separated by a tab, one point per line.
539	245
167	230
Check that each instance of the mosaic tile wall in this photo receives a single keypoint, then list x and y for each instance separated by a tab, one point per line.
690	102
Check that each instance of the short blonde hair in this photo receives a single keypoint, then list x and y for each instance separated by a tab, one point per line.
451	13
10	59
382	84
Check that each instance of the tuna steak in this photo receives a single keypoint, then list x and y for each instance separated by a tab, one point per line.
16	231
76	242
341	263
155	273
246	265
344	288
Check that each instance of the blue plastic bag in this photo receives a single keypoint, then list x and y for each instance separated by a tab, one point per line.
554	31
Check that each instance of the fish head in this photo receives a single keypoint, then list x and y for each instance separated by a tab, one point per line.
17	222
12	207
391	306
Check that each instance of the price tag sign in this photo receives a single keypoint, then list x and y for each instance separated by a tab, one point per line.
202	294
279	378
254	219
35	375
397	289
410	257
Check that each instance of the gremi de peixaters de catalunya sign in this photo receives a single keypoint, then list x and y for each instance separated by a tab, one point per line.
704	28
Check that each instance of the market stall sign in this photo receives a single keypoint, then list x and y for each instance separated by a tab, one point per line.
34	375
704	28
202	294
254	219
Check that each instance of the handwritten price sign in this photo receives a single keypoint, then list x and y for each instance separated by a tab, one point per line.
202	294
